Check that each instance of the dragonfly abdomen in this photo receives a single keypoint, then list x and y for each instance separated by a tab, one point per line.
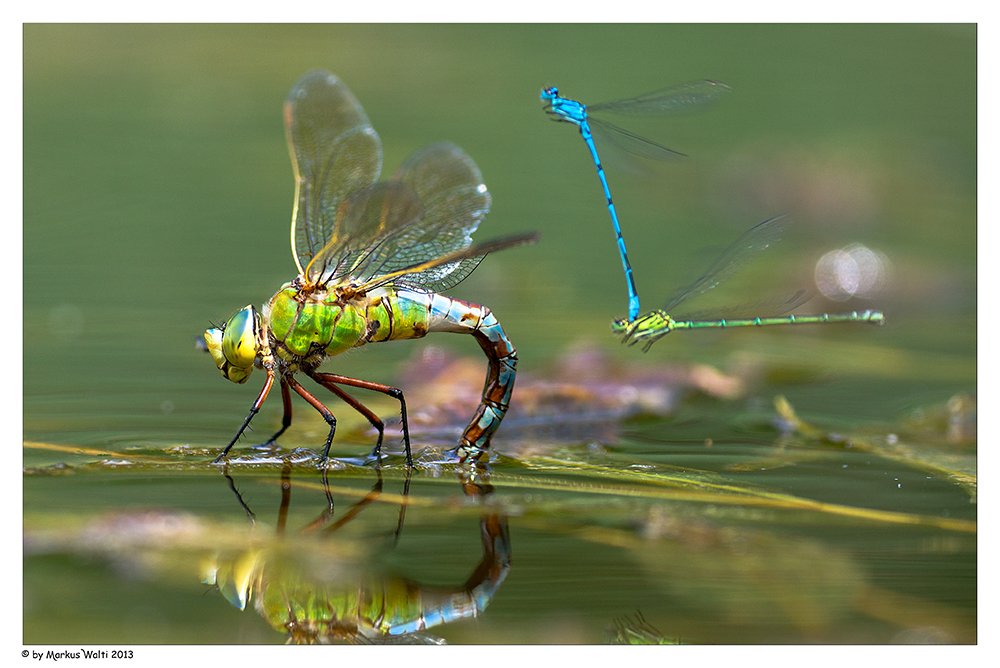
397	314
448	314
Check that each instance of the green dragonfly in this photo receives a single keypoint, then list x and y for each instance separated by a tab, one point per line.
300	592
371	257
652	326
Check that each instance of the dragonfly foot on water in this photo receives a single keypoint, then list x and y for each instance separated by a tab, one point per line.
375	456
452	456
462	454
326	463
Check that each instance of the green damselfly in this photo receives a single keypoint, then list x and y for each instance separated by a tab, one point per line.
652	326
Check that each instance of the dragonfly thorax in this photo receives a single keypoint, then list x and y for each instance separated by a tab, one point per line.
305	325
654	320
323	292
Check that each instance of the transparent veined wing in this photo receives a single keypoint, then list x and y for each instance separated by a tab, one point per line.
772	306
754	242
455	201
335	152
675	100
609	133
476	252
429	209
366	223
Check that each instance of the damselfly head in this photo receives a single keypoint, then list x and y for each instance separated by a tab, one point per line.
619	326
234	345
549	97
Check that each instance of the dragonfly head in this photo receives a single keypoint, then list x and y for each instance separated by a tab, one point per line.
234	345
233	577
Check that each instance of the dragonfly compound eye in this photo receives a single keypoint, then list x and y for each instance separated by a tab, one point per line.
239	340
233	577
213	339
234	346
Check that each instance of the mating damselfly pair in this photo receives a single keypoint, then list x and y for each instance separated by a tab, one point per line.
656	324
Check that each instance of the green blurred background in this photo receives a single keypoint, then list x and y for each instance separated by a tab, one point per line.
158	193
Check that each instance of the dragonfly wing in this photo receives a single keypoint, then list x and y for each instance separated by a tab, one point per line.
475	252
335	152
453	202
366	229
676	100
772	307
415	230
753	242
629	142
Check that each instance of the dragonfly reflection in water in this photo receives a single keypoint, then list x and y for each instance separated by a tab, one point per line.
370	257
314	601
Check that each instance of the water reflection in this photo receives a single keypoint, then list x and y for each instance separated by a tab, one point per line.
635	630
317	588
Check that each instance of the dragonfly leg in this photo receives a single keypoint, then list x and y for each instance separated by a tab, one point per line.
353	511
253	411
323	410
402	509
373	419
325	516
286	498
239	497
330	382
286	417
